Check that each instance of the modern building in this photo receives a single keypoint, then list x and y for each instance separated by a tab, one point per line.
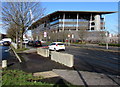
70	21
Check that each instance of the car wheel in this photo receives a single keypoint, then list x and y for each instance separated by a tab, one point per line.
63	49
54	49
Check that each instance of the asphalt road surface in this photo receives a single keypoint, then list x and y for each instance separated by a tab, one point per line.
7	54
95	60
4	52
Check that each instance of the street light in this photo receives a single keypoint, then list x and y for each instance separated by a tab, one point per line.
106	33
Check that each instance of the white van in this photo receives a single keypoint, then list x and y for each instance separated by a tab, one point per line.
7	39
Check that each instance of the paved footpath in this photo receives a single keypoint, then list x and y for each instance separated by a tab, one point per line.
85	78
53	72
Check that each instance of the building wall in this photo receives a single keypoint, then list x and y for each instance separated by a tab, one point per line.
70	22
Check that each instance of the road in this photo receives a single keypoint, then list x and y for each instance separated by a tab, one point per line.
95	60
4	52
7	54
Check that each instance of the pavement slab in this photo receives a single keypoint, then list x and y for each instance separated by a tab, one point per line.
84	77
47	74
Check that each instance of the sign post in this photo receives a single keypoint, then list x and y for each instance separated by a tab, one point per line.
45	35
69	39
106	39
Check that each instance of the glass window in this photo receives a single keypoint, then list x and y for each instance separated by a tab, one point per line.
92	28
92	23
60	44
52	44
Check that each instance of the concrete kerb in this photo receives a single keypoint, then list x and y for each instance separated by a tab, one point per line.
16	55
63	58
43	52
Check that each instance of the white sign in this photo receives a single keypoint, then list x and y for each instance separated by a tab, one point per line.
72	35
45	34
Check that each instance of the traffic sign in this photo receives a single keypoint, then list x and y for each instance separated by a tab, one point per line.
45	34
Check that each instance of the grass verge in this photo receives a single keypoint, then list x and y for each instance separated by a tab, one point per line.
104	44
18	77
14	78
20	50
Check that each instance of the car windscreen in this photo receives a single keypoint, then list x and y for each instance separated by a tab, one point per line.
60	44
37	41
52	44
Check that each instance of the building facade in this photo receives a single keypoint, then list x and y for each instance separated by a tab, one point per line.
70	22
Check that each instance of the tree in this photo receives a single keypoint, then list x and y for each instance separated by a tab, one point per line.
11	32
18	13
82	33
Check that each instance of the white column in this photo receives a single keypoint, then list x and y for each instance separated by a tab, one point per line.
104	22
63	21
77	22
97	23
90	21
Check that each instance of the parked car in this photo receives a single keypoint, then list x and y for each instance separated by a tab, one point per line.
30	43
56	46
37	43
43	41
6	43
25	41
1	42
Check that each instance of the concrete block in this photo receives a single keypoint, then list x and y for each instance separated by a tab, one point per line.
43	52
4	63
63	58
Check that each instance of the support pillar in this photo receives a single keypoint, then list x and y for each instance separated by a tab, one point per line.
90	22
97	23
77	22
63	21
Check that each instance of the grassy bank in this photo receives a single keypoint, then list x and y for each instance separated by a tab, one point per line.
104	44
20	50
16	78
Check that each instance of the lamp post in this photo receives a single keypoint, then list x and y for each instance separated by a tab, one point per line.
69	39
106	33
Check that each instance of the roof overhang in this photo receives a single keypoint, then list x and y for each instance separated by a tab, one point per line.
80	12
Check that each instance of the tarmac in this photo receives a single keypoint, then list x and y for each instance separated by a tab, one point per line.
53	72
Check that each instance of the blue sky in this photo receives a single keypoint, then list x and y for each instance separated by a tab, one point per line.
111	19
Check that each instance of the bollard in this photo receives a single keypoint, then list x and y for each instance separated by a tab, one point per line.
4	63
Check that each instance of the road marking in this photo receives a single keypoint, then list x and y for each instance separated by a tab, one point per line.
115	58
16	55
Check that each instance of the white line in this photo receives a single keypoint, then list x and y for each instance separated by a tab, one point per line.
17	56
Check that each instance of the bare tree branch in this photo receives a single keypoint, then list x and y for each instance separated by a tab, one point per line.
18	13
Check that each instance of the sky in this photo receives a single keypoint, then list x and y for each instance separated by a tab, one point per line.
110	19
